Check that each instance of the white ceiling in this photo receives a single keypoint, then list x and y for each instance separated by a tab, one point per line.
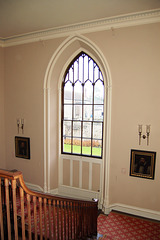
25	16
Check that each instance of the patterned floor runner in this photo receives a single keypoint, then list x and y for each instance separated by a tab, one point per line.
118	226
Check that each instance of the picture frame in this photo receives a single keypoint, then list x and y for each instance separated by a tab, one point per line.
22	147
142	164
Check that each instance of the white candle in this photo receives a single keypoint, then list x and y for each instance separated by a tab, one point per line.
147	128
140	128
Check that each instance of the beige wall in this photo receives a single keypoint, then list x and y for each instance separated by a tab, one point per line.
2	136
25	68
133	56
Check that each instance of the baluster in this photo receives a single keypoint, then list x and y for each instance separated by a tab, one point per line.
29	217
95	218
85	219
71	220
8	207
45	217
65	235
14	209
61	212
82	219
68	210
54	220
77	221
82	205
49	206
74	219
89	219
35	216
58	219
40	217
1	215
92	220
22	213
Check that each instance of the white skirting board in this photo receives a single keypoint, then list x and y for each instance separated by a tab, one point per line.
77	193
34	187
141	212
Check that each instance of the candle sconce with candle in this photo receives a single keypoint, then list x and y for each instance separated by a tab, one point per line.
144	136
20	125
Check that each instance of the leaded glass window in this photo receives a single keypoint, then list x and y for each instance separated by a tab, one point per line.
82	108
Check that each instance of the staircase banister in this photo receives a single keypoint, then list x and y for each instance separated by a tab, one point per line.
50	196
12	175
22	206
17	175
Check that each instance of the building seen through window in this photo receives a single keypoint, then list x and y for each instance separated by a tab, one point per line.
83	108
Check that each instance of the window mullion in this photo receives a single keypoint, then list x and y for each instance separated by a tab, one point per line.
82	116
92	119
72	111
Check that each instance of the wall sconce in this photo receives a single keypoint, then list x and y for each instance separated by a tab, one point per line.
20	124
144	136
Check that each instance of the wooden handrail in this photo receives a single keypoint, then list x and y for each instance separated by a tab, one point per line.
10	174
40	214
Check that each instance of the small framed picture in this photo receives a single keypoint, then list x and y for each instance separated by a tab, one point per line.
22	147
142	164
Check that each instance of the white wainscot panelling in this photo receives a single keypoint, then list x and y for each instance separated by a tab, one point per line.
79	192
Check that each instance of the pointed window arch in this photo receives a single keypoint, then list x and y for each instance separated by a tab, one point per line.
82	108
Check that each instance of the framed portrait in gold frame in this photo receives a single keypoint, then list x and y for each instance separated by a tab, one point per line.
142	164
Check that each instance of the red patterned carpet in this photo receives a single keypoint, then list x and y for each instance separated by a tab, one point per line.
117	226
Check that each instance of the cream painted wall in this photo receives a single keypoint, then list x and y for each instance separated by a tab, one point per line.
133	56
2	136
25	68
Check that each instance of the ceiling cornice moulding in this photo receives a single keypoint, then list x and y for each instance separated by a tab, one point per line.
127	20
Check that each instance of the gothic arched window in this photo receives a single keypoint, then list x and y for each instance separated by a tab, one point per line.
82	108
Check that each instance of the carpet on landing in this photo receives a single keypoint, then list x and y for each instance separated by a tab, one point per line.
118	226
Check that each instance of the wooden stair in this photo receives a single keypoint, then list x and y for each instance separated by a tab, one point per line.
25	214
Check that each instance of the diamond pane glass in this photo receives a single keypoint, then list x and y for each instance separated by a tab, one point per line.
85	68
77	112
96	73
70	74
75	71
97	130
87	112
78	93
86	129
91	70
66	128
88	93
67	112
77	145
97	148
98	112
68	93
81	69
77	129
99	93
67	145
86	147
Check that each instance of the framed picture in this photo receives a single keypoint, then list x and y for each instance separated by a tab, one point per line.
142	164
22	147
